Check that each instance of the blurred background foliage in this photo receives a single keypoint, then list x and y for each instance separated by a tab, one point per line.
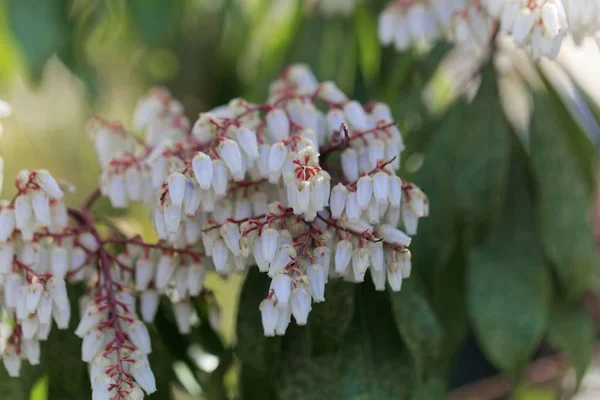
500	267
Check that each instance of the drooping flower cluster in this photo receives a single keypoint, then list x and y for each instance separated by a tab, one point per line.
246	184
39	253
536	25
254	184
34	246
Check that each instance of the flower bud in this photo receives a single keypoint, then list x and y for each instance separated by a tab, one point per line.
364	191
248	142
343	255
269	316
117	193
356	116
349	161
203	170
143	376
219	180
230	233
392	235
139	336
229	152
381	187
183	314
59	261
316	274
269	240
377	258
395	191
89	320
31	349
172	214
195	281
394	276
41	207
277	157
7	253
300	303
133	184
282	258
12	361
149	300
176	183
284	317
220	255
7	224
49	184
282	286
378	278
278	125
144	272
34	294
164	271
353	210
338	200
29	326
93	341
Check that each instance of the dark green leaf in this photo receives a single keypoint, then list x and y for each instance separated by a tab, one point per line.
154	19
253	348
19	388
417	323
161	362
41	28
563	205
482	153
311	379
572	330
375	364
433	389
254	385
578	140
329	321
508	284
62	352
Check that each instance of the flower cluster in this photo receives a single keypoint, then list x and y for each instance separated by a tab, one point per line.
34	247
537	25
246	184
251	184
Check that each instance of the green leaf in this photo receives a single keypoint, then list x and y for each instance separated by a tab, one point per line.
375	364
433	389
563	205
19	388
161	362
464	174
311	379
41	28
583	149
508	284
365	25
482	154
253	348
154	19
572	330
254	385
63	349
449	302
329	321
418	324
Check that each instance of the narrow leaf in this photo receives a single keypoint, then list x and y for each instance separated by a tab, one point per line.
329	321
508	284
253	348
418	324
572	330
563	207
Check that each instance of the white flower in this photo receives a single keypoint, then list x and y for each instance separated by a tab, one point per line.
278	125
139	336
343	255
282	287
269	315
300	304
183	314
149	300
203	170
93	341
